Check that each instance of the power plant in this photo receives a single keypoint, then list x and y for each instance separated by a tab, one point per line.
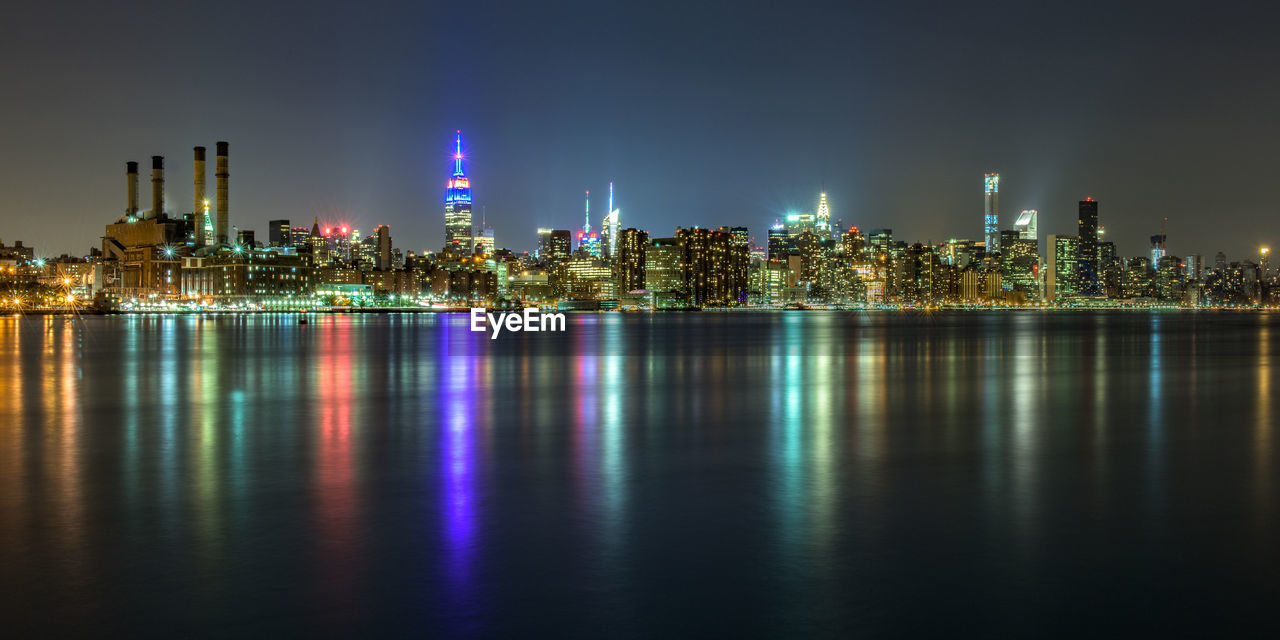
200	203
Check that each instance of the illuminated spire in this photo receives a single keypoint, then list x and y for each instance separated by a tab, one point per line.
457	157
586	225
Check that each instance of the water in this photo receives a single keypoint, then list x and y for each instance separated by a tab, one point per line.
733	475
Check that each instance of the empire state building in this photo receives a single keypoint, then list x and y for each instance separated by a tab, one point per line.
457	205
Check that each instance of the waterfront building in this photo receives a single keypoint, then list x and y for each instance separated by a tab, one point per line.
1087	266
631	259
229	276
1062	269
1138	278
664	271
1020	263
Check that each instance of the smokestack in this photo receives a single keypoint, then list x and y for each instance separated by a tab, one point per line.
222	176
157	186
198	209
131	184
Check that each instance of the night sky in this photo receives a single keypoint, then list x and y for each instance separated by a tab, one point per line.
701	113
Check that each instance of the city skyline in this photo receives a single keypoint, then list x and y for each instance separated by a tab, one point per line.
357	135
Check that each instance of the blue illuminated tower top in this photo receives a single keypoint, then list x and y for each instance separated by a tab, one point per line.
459	189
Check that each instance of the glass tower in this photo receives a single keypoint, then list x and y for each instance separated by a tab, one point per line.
991	211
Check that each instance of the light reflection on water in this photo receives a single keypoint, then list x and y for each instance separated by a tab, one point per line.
743	474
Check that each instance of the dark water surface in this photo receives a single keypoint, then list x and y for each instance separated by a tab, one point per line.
729	475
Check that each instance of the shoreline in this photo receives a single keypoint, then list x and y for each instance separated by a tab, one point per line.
418	310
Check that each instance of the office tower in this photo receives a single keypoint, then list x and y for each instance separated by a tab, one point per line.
1062	270
881	239
560	245
383	260
1028	225
991	211
341	237
609	229
1193	267
631	259
457	205
298	237
1157	248
279	233
319	243
1109	272
1220	261
1087	266
823	221
483	241
588	240
245	238
544	243
1020	262
781	243
798	223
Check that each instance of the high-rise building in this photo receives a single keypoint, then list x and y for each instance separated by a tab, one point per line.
544	243
559	244
854	244
1157	248
1061	274
1020	263
991	211
383	260
483	241
823	221
457	205
664	270
279	234
298	237
1028	224
631	259
319	242
609	229
1090	283
588	240
781	243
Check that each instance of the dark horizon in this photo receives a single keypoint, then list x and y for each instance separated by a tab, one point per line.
715	114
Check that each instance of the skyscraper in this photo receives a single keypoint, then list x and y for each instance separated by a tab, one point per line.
279	234
1090	285
383	260
588	240
1028	224
1061	272
457	205
610	228
630	259
991	211
823	223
